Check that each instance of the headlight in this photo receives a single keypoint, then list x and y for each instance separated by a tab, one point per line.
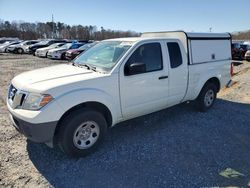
58	52
36	101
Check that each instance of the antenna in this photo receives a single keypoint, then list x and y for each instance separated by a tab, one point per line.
52	26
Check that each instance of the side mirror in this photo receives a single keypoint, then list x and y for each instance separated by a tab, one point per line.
135	68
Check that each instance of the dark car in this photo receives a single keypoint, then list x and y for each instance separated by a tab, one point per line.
59	53
44	43
72	53
236	52
243	49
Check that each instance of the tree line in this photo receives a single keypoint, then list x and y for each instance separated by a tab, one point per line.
44	30
244	35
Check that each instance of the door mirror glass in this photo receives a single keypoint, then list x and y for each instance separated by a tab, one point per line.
135	68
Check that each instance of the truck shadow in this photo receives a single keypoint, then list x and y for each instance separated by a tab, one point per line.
177	146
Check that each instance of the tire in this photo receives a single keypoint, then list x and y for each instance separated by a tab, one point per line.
81	132
63	56
19	51
207	97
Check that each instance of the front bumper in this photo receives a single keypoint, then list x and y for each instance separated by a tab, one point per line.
40	53
11	50
41	133
54	55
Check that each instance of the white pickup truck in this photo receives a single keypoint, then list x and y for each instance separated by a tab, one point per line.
73	104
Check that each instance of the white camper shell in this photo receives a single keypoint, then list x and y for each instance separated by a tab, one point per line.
200	47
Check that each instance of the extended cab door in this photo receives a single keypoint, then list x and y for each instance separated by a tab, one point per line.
178	71
144	90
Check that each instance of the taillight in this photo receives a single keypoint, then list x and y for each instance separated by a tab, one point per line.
232	69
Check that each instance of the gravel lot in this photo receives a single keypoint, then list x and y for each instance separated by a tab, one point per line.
176	147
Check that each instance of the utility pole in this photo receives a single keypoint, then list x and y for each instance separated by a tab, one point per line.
53	34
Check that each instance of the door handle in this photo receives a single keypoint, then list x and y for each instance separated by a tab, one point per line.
162	77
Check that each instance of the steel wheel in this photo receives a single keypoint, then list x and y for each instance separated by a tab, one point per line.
209	97
86	135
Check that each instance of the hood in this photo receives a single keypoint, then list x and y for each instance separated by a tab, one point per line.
38	45
44	48
14	45
57	49
45	78
72	50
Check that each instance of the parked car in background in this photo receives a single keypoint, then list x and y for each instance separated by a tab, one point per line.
72	53
243	49
236	53
59	53
44	43
3	48
247	55
20	47
4	39
42	52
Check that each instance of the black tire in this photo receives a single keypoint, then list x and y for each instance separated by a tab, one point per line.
207	97
63	56
19	51
72	123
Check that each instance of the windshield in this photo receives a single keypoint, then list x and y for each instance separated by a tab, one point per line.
103	55
55	45
44	42
66	46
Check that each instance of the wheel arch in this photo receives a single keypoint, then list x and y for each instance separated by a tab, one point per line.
213	80
90	105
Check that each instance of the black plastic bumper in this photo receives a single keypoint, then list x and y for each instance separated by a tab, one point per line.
41	133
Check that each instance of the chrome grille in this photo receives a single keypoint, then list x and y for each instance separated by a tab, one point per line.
16	97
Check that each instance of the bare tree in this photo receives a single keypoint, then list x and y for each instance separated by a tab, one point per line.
40	30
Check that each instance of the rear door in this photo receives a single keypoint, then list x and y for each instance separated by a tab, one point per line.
178	71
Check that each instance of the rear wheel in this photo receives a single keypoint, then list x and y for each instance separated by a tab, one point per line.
206	97
81	132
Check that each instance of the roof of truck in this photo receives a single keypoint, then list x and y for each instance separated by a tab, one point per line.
130	39
174	35
168	34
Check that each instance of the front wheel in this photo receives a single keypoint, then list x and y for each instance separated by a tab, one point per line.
63	56
206	97
20	51
81	132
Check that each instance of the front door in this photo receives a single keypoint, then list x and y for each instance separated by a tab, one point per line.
147	91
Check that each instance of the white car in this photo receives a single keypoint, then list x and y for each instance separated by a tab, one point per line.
59	53
72	105
20	47
42	52
4	46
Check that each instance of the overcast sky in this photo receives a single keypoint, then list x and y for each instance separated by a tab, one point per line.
136	15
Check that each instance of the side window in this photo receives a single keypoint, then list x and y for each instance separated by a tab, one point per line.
174	54
149	54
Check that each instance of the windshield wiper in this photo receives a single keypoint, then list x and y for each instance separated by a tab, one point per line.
89	67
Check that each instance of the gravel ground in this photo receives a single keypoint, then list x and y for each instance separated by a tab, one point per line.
176	147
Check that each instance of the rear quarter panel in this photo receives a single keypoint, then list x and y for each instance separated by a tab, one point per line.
199	74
